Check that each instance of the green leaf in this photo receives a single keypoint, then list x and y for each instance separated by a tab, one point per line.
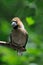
30	21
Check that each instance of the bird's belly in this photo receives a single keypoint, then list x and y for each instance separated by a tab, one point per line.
19	39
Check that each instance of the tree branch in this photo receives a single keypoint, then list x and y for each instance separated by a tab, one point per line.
3	43
10	45
7	44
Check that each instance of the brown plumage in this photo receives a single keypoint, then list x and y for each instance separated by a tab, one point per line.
19	35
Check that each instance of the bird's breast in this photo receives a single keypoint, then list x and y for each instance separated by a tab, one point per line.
19	37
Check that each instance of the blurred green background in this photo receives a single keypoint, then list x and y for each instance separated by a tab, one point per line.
31	14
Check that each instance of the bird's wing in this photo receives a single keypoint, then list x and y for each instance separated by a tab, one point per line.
26	40
25	34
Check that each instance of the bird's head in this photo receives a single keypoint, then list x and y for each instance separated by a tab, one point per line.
16	23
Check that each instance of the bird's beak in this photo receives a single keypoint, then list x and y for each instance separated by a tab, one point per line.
14	25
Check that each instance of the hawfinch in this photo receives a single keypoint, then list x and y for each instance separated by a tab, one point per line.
18	36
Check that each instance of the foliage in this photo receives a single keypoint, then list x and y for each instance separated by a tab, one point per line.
31	13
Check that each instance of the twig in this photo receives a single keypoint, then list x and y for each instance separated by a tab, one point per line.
6	44
3	43
10	45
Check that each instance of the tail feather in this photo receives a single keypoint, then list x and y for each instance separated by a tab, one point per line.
19	53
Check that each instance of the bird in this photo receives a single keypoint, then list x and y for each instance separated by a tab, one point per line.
18	36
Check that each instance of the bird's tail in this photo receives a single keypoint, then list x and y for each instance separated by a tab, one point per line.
20	53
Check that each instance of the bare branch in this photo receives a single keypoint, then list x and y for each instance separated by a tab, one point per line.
7	44
10	45
3	43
